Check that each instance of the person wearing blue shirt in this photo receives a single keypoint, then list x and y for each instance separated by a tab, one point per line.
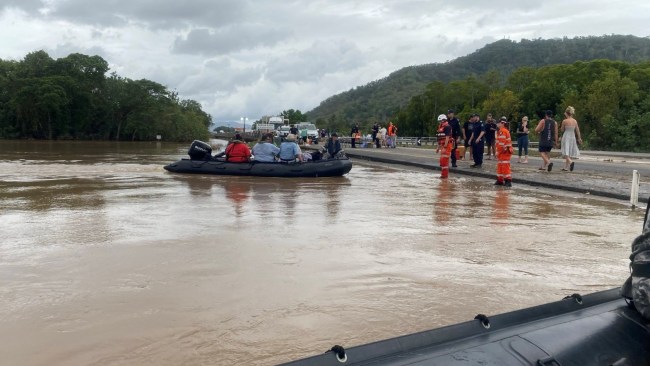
265	150
289	149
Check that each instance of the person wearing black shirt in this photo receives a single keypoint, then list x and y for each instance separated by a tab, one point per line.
468	127
333	145
375	135
455	134
354	134
476	141
490	136
522	139
294	130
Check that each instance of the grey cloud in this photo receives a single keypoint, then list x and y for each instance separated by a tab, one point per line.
28	6
322	58
65	49
228	39
168	14
221	77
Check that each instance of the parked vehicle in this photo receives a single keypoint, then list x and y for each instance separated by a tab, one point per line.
312	131
282	131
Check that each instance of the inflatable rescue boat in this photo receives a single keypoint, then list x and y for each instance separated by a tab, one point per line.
201	161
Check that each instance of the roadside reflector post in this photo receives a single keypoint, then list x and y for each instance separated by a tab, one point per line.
634	191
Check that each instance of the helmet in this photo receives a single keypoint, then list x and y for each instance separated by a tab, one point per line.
442	117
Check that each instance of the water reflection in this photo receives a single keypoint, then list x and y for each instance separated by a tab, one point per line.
333	202
238	193
200	186
442	205
269	197
501	207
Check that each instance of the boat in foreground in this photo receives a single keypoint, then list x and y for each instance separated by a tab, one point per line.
320	168
610	327
595	329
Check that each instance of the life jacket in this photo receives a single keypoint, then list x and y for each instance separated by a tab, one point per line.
442	133
504	142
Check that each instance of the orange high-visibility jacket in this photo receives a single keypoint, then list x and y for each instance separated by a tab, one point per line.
504	143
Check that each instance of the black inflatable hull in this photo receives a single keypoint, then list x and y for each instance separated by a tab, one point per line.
320	168
597	329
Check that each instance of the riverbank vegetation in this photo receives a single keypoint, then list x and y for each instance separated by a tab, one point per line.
512	79
611	98
72	98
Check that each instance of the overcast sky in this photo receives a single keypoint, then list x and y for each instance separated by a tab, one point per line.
245	58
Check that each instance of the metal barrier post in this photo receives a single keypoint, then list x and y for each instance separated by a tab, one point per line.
634	191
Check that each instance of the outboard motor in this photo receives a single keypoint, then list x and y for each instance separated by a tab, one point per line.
199	150
637	287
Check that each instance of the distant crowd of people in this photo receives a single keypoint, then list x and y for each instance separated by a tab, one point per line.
381	136
477	134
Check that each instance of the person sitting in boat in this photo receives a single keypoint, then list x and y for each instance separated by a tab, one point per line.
333	145
289	149
237	151
265	150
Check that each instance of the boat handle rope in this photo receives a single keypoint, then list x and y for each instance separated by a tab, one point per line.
340	353
548	361
485	321
576	297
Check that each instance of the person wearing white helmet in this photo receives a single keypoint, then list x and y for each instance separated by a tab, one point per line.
504	153
445	144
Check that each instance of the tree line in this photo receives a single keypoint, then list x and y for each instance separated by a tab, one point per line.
611	98
73	98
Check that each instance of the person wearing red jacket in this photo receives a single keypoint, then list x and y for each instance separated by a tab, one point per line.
445	144
237	151
504	153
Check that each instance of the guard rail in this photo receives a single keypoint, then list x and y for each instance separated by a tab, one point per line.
409	142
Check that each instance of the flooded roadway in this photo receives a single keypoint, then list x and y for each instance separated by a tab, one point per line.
106	259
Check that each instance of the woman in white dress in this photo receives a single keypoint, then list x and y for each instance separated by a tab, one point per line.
570	138
383	131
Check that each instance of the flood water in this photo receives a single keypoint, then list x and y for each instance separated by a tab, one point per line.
107	259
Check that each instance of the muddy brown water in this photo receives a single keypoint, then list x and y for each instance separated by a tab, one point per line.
106	259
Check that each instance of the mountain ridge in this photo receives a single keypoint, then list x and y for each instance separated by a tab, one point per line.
379	99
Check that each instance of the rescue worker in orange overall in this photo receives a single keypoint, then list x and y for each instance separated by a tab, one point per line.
445	144
503	153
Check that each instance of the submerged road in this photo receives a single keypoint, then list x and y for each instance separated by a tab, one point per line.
606	174
106	259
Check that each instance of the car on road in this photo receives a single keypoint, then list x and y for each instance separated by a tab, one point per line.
312	131
282	131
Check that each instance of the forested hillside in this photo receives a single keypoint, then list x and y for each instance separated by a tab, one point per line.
380	99
611	98
72	98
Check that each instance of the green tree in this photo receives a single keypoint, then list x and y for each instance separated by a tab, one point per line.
503	102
